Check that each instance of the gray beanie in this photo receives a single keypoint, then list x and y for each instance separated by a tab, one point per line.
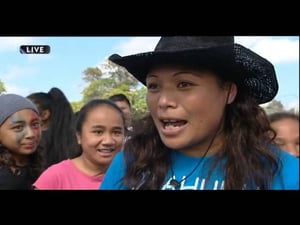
11	103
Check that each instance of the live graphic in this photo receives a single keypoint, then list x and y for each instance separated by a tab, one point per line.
34	49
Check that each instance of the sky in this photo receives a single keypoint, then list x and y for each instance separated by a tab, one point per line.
69	56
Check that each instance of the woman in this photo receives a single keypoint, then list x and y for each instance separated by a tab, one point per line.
100	131
205	129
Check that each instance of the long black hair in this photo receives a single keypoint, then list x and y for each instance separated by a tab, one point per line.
59	139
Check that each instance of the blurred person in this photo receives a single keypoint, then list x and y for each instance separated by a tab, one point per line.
100	131
206	129
124	104
57	121
286	126
21	161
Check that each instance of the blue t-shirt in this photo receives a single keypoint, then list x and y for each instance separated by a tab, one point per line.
286	178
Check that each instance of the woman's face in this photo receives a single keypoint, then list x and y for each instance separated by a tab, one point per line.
21	134
287	135
102	134
187	106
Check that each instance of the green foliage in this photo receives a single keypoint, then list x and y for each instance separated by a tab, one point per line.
92	74
98	89
2	88
76	106
139	103
119	74
114	80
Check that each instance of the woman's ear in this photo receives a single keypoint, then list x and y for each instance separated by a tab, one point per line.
232	91
45	114
78	137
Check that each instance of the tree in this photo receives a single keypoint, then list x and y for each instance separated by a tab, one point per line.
92	74
139	103
103	84
120	74
76	106
274	106
2	88
110	79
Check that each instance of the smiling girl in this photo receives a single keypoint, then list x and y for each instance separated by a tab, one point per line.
100	128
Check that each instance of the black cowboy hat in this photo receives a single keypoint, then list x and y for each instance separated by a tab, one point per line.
254	73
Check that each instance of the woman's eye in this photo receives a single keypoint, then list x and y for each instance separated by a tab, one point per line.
98	131
36	124
184	84
18	127
152	86
118	132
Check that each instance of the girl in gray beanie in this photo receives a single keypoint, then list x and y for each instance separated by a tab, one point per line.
20	134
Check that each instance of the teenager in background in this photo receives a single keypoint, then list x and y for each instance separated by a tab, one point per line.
286	126
57	121
20	134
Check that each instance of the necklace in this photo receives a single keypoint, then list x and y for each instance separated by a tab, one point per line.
175	183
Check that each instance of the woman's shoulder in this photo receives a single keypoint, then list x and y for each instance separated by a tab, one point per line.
284	156
115	172
5	172
118	160
289	161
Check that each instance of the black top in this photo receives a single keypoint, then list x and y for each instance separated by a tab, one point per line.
10	181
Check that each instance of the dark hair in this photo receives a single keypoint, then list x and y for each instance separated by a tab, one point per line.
43	100
273	117
36	162
249	161
120	98
60	139
277	116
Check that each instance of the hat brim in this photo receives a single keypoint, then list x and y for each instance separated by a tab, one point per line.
255	73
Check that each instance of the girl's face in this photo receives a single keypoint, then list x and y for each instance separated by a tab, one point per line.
21	133
287	135
187	107
102	134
